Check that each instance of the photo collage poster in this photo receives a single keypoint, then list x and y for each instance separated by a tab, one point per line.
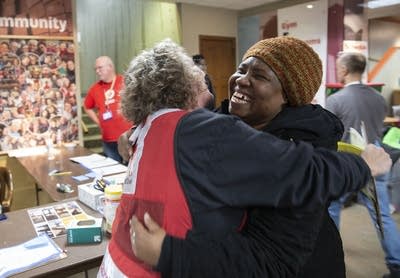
53	220
38	92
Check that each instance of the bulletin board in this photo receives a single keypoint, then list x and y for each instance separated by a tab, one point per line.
38	90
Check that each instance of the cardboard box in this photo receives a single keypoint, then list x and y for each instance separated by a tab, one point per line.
85	231
90	196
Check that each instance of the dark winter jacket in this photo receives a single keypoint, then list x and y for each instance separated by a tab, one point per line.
277	240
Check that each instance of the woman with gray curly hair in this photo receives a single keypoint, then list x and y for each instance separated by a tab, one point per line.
146	95
196	170
162	77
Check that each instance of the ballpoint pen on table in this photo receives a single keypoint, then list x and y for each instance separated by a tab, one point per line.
58	173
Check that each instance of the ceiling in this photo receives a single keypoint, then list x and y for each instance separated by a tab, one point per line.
248	4
229	4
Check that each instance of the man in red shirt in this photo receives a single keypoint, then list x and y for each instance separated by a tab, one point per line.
102	106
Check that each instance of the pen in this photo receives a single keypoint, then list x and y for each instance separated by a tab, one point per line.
62	173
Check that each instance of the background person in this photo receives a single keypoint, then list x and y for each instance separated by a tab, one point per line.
102	106
199	61
353	104
188	167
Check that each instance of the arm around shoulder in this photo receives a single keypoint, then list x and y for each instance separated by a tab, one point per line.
249	168
198	256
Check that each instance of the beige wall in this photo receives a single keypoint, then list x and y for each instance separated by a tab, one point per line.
201	20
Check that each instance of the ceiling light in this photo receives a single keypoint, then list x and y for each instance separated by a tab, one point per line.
373	4
310	6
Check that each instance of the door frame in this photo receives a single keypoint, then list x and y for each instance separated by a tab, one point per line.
220	38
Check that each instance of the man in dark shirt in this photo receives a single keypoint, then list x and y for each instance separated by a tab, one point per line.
199	61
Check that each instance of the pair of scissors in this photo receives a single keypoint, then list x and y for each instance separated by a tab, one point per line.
100	184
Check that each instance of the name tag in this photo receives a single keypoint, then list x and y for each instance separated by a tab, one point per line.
107	115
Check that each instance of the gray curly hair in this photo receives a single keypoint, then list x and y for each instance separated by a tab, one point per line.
161	77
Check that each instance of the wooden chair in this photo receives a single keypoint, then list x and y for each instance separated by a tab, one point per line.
6	188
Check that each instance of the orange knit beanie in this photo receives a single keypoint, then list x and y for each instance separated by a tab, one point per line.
297	66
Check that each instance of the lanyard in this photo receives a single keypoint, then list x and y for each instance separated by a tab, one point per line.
109	95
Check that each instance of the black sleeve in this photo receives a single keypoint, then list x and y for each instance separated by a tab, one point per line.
265	249
247	168
199	256
221	157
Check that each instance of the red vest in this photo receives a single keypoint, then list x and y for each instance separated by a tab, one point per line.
151	185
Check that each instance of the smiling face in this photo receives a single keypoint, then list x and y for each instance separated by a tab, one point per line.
256	94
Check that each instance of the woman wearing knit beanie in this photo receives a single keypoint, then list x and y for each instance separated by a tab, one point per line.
270	91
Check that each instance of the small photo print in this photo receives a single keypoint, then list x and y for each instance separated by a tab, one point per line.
74	209
67	220
62	211
49	214
44	229
81	216
37	216
57	227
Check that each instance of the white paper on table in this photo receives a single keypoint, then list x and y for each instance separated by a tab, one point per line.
29	254
100	163
109	170
88	158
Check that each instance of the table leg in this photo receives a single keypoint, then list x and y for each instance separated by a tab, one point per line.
37	190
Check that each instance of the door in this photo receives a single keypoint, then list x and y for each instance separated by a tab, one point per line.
220	56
